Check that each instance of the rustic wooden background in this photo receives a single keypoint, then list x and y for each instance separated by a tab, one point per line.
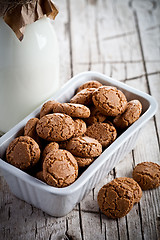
120	38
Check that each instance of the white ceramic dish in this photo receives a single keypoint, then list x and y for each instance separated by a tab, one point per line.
58	202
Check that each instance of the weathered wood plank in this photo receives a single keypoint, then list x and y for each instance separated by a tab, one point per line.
147	14
62	28
73	222
98	42
154	83
117	37
91	226
79	33
22	221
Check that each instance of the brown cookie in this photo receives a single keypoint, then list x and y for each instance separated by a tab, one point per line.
89	84
39	175
23	152
47	108
109	100
95	116
115	199
50	147
55	127
83	97
60	168
137	191
104	133
80	128
147	175
83	162
84	147
72	109
131	114
30	130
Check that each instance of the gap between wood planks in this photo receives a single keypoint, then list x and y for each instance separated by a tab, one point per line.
139	207
80	221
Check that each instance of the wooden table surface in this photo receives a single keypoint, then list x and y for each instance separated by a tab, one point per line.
120	38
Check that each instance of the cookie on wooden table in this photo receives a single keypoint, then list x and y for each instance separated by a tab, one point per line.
137	191
115	199
147	175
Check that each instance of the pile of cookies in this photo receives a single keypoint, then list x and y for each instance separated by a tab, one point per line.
116	198
67	137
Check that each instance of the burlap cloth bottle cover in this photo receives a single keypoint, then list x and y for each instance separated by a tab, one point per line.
19	13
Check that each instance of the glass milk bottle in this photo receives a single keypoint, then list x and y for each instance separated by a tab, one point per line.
29	70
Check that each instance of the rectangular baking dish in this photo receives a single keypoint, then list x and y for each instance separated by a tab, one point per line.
60	201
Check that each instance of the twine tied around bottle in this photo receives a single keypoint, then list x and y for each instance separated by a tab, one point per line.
19	13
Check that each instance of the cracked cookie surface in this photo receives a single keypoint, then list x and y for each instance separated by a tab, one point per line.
47	108
55	127
147	175
109	100
137	191
83	97
48	148
60	168
104	133
72	109
89	84
23	152
115	199
80	128
83	162
84	147
131	114
30	130
95	116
